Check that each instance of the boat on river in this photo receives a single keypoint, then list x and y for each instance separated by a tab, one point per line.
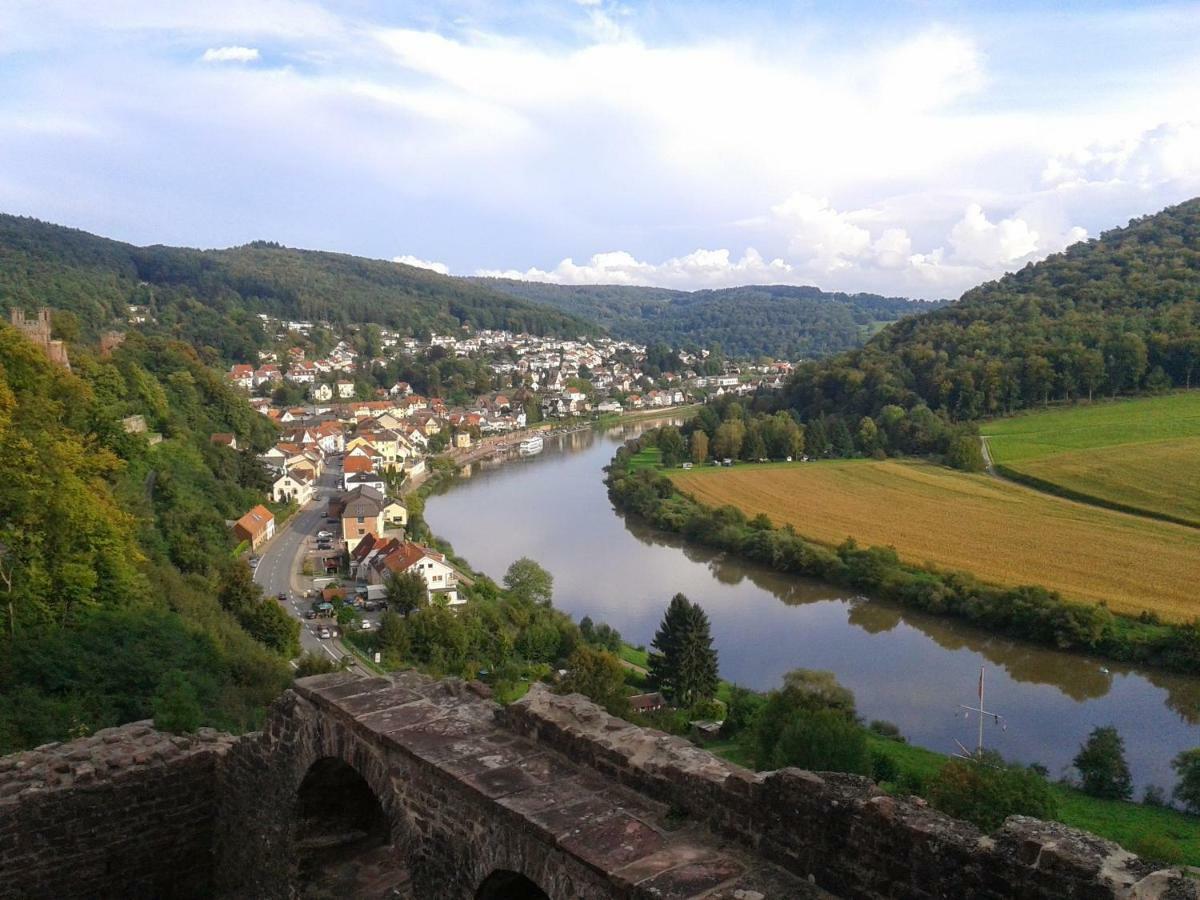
531	445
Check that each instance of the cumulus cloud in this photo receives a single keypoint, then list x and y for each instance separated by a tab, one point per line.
230	54
698	269
1169	152
440	267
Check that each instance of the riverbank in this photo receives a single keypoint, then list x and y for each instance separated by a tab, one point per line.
1030	613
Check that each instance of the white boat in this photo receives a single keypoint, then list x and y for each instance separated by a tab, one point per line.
530	445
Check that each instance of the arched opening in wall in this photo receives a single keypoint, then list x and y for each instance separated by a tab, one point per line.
338	819
505	885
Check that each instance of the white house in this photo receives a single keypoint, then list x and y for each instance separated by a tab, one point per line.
345	390
292	486
441	580
320	393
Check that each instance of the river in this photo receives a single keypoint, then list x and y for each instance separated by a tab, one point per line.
905	667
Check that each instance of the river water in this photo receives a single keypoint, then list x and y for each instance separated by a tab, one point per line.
905	667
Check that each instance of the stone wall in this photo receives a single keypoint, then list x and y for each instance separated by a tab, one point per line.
128	812
840	830
586	805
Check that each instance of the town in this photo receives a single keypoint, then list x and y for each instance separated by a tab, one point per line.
357	442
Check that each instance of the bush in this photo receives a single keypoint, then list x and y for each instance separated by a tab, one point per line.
821	740
1187	766
176	705
988	791
888	730
884	768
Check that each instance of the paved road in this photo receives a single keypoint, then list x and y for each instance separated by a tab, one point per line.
278	569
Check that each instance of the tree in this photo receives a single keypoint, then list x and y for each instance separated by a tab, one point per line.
670	442
405	592
987	792
1102	766
1187	767
727	442
683	664
529	582
698	445
268	623
176	704
599	676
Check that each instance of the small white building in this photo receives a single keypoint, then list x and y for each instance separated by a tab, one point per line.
292	486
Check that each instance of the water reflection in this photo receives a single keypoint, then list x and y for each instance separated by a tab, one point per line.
904	666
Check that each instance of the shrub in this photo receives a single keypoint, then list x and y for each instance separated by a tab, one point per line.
1102	767
884	768
987	792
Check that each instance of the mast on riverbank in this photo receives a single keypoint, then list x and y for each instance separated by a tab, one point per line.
983	713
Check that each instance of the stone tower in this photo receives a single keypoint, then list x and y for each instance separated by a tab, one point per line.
38	331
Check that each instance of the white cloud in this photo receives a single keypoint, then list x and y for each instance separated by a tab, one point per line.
1169	152
976	240
230	54
698	269
440	267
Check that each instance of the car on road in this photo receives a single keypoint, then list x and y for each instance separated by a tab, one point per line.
311	614
324	534
283	597
254	561
324	634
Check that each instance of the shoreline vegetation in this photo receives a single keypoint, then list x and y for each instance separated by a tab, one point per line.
1028	612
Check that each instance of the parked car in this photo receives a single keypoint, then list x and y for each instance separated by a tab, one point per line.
311	614
686	465
324	534
324	545
324	634
254	561
283	597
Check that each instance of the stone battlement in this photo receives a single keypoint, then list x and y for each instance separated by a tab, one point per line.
38	330
409	787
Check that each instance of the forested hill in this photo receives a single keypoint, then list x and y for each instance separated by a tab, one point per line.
1117	314
784	321
210	298
120	597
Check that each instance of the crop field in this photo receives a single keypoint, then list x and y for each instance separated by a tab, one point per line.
1142	455
1004	533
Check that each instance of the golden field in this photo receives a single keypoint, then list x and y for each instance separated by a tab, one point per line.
1002	532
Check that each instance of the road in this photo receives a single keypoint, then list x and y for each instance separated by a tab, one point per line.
279	565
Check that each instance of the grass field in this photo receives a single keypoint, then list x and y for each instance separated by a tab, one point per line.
1002	532
1141	455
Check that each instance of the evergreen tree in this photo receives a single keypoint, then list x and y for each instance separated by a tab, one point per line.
1102	766
683	664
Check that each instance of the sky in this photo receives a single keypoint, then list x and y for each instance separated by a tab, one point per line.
910	147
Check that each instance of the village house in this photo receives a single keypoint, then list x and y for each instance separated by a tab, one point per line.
441	580
255	527
361	514
292	486
320	393
225	439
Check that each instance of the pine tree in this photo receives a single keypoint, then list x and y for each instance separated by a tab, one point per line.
683	664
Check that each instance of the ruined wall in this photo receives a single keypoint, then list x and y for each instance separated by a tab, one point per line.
420	758
551	787
128	812
841	830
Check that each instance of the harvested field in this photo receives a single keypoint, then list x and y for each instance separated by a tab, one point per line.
1002	532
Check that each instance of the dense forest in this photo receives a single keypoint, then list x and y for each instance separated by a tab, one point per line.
780	321
1118	314
211	298
121	599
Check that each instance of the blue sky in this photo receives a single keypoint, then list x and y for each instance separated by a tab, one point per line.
903	147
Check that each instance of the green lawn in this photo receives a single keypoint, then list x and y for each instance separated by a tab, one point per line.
1037	435
1134	455
650	458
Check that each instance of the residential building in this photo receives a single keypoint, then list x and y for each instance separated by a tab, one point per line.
256	527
